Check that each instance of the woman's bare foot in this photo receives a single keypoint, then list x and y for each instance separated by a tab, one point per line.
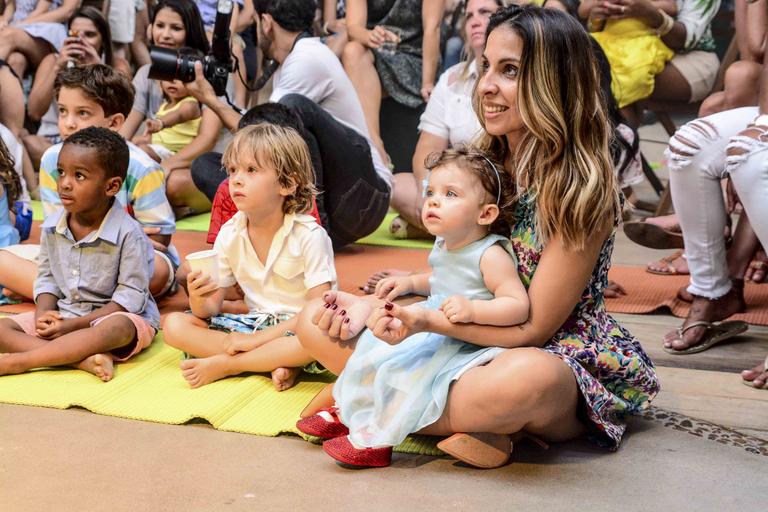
12	294
370	285
344	314
756	272
708	311
200	372
614	290
674	264
402	229
668	222
101	365
284	378
758	376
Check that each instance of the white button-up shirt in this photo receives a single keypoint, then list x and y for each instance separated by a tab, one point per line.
300	258
449	112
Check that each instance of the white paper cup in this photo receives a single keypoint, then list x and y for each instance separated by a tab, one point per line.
205	261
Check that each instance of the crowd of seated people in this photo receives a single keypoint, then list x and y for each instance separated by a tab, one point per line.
524	155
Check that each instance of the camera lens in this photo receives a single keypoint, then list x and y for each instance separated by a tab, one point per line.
170	64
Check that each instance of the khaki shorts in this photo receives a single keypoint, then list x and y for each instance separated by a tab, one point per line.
700	71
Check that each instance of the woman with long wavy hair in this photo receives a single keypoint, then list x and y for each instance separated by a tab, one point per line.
570	369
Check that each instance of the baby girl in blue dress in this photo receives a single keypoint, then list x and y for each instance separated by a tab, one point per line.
389	391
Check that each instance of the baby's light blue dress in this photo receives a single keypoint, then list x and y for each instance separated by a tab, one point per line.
389	391
8	233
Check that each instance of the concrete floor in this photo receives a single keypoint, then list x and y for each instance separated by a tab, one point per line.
75	460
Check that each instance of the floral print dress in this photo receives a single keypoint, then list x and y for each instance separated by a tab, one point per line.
615	376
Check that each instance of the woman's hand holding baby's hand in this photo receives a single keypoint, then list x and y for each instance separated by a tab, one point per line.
392	323
342	315
200	284
458	310
390	288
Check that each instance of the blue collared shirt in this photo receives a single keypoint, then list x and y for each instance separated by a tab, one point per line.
111	264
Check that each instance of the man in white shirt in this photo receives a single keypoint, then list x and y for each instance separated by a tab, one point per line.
354	181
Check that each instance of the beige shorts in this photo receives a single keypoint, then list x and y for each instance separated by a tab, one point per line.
700	71
27	252
144	332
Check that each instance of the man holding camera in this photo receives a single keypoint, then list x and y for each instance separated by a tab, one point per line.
354	181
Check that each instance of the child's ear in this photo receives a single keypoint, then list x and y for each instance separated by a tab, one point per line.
113	186
488	214
289	190
115	122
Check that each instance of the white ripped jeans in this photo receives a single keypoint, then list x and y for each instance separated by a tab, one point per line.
700	154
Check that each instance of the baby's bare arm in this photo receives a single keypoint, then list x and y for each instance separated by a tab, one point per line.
510	305
188	111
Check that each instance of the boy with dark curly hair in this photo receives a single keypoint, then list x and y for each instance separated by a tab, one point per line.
92	288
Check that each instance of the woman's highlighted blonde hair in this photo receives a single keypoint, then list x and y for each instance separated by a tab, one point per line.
280	148
562	160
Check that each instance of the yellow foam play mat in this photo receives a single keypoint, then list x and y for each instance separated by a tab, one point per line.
150	387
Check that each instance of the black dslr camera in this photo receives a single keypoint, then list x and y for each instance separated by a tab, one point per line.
180	65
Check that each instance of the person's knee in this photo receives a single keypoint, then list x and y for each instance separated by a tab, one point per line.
533	377
688	141
741	74
741	149
176	187
298	103
174	327
118	330
160	276
354	53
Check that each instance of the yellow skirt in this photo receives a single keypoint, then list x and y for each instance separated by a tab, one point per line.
636	56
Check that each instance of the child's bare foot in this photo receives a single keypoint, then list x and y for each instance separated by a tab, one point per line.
285	378
12	294
101	365
668	222
757	377
200	372
343	316
370	285
614	290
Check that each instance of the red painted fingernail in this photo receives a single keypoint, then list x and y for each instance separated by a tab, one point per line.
343	312
346	320
334	307
326	305
388	306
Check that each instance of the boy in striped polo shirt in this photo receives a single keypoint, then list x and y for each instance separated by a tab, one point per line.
96	95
